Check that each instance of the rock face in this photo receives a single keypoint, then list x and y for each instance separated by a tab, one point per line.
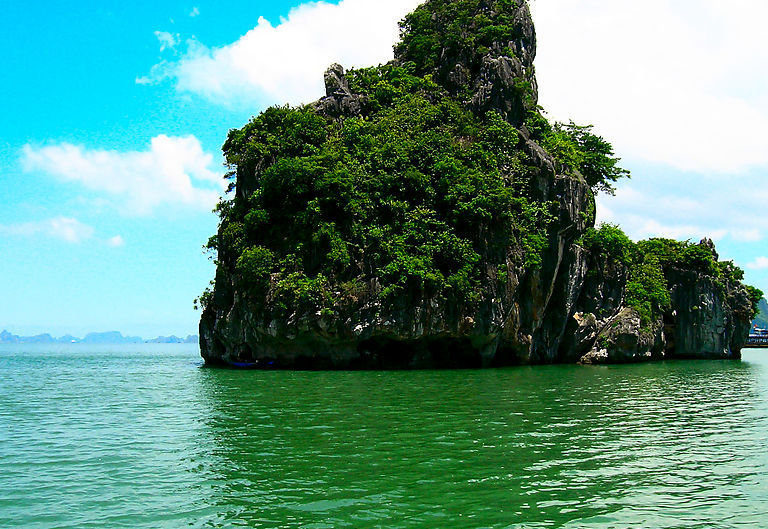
489	74
761	320
706	322
570	308
623	339
339	102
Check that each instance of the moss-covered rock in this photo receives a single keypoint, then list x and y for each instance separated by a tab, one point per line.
424	213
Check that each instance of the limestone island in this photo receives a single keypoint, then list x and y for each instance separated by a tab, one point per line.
426	214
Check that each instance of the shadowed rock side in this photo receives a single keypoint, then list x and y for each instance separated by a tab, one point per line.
569	307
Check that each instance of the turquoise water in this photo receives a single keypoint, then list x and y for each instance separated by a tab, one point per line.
143	437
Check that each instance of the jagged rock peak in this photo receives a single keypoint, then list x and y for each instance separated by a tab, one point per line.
339	101
482	51
335	82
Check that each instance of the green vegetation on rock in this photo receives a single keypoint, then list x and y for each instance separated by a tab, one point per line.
576	148
425	213
420	193
761	320
650	261
444	32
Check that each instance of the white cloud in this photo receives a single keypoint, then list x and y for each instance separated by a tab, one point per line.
642	228
67	229
195	12
285	62
746	235
679	88
175	171
761	263
678	82
116	241
159	71
679	206
70	230
64	228
167	40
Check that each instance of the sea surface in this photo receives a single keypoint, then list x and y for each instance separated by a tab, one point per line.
145	437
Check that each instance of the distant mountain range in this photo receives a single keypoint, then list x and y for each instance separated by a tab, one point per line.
111	337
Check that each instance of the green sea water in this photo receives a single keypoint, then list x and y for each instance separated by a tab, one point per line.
144	437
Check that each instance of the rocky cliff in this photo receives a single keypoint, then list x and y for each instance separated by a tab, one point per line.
761	320
424	214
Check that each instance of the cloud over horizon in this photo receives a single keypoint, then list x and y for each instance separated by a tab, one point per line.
167	40
760	263
174	172
678	206
680	83
116	242
66	229
284	63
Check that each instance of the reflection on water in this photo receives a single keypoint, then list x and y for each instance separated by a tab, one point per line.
678	444
146	438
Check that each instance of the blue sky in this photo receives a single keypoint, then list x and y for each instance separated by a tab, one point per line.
70	78
114	114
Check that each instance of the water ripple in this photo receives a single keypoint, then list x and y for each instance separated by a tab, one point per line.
145	438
